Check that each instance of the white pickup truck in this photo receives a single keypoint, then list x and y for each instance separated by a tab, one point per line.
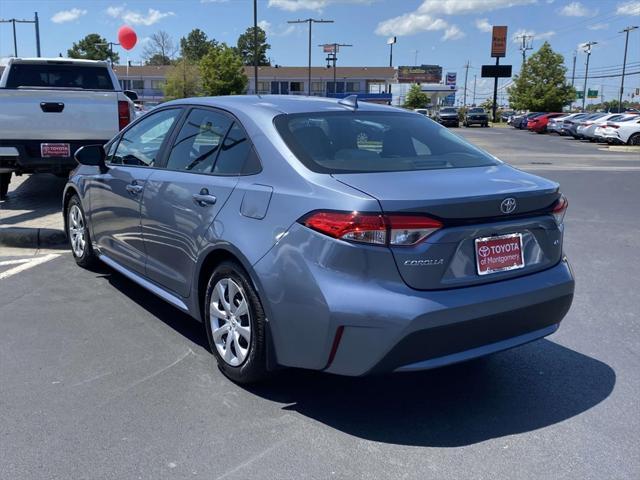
51	107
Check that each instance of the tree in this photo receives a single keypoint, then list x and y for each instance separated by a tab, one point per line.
183	80
542	85
222	72
416	98
92	47
195	45
487	105
246	47
160	47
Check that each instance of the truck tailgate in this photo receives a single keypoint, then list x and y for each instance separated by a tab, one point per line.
84	115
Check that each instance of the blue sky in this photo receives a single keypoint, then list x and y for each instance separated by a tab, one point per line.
444	32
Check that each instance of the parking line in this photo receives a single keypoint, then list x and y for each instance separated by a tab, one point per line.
25	265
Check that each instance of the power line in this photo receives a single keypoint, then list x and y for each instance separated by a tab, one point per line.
310	22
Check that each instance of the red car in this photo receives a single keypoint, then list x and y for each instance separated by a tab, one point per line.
539	124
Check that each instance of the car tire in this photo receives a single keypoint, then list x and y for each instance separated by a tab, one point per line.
78	234
244	360
5	180
634	139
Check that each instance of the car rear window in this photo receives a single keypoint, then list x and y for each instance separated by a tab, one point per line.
359	142
59	76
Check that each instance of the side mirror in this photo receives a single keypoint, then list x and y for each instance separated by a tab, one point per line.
131	95
92	155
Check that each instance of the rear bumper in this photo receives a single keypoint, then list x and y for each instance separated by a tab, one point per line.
29	159
313	288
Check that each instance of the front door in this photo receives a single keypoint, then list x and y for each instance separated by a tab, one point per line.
115	196
182	200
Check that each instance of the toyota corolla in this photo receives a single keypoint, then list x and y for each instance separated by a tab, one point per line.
331	235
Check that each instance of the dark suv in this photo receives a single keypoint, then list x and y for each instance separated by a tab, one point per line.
476	116
448	116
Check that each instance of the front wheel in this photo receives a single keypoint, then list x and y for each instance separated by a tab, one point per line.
634	139
5	180
235	324
78	235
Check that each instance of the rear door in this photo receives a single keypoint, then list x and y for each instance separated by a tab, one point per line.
115	195
182	199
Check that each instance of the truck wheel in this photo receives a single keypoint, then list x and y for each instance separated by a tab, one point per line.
5	180
78	235
235	324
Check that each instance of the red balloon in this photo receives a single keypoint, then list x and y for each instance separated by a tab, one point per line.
127	37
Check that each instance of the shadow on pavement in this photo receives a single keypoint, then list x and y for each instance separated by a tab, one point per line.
524	389
35	197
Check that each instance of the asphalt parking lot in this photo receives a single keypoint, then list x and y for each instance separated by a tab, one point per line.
100	380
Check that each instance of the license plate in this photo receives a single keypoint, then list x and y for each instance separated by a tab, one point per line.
55	150
499	254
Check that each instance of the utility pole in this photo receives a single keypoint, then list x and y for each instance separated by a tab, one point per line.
474	89
391	41
587	46
13	21
415	56
466	74
525	45
624	64
310	21
333	57
111	44
255	45
573	74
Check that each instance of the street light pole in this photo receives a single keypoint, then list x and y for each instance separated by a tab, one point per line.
474	89
587	47
624	64
310	21
333	57
255	45
573	75
466	74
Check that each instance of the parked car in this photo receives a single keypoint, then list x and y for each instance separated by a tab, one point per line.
570	124
626	130
270	221
539	123
588	131
448	116
422	111
524	121
555	124
586	122
506	114
51	107
476	116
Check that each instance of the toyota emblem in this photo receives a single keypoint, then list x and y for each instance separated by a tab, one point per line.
508	205
484	251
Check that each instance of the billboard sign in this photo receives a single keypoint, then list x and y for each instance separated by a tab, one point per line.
493	71
450	78
499	42
420	74
330	48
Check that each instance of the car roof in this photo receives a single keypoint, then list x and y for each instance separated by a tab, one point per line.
278	104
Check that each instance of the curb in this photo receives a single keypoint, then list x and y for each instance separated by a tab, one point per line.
623	148
31	237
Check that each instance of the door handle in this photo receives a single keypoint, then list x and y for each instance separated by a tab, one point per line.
134	189
204	199
52	107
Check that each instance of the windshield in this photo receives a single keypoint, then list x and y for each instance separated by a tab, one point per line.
476	110
448	110
358	142
59	76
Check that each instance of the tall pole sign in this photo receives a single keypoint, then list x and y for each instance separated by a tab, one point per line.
498	50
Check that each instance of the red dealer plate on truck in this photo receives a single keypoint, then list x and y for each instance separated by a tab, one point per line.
499	254
55	150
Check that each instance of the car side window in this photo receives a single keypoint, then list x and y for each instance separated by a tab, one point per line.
140	145
110	149
236	156
198	142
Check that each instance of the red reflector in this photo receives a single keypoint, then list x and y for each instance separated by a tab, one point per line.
335	345
124	115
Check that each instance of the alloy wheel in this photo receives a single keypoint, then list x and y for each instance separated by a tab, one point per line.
77	231
230	320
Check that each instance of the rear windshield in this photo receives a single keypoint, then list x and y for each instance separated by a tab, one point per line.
59	76
359	142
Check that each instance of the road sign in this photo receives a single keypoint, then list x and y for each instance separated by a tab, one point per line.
499	42
579	95
493	71
592	93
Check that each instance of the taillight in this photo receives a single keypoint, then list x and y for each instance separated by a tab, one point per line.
373	228
124	115
614	126
560	209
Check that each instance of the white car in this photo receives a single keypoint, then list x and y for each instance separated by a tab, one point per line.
555	124
589	131
50	107
625	130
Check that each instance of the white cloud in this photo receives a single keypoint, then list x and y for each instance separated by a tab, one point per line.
453	33
483	25
598	26
265	25
575	9
628	8
456	7
281	31
409	24
137	18
316	5
68	15
515	38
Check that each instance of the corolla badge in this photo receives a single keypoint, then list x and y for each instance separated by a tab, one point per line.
508	205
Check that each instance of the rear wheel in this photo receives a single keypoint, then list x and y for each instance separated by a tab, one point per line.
5	180
78	235
235	324
634	139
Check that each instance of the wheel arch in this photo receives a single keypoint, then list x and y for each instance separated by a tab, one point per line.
69	191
